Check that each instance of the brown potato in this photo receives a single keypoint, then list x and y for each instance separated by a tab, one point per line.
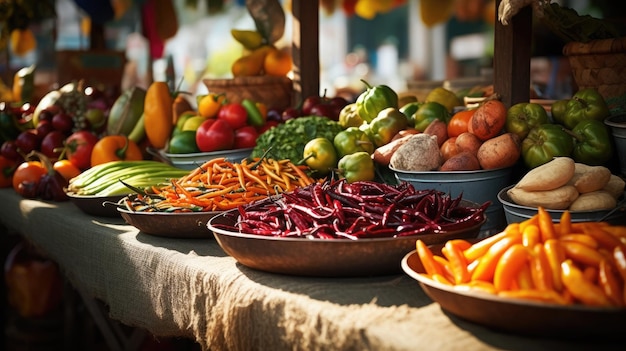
449	148
439	129
615	186
556	199
463	161
594	201
589	178
468	142
382	154
500	152
548	176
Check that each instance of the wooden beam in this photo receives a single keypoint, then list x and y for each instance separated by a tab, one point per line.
305	49
511	61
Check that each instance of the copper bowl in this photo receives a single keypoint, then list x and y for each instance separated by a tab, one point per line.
323	257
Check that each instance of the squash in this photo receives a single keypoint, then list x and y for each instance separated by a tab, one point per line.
158	114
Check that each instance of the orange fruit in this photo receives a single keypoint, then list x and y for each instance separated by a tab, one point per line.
277	62
251	64
22	41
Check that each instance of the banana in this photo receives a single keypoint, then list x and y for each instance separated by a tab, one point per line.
126	111
250	39
139	131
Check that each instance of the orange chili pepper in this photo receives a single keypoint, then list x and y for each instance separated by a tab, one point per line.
509	265
540	270
545	224
580	288
457	262
584	239
611	284
427	258
581	253
530	235
487	265
556	255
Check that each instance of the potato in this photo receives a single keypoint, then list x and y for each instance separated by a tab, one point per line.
419	153
499	152
615	186
439	129
548	176
449	148
594	201
382	154
488	120
463	161
589	178
556	199
468	142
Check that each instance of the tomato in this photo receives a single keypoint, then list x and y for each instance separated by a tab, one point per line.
115	148
245	137
7	167
79	146
234	114
458	122
215	135
27	177
66	169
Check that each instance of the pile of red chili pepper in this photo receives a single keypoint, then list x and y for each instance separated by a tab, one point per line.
362	209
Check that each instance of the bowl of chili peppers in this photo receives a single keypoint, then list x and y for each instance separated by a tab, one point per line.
340	229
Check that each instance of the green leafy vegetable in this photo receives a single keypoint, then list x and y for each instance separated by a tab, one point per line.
287	140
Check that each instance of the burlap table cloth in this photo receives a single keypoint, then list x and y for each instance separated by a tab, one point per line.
191	288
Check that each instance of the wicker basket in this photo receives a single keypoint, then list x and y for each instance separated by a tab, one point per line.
601	64
273	91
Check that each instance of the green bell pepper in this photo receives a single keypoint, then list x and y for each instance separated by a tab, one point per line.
409	110
375	99
349	117
386	125
545	142
358	166
524	116
592	144
428	112
352	140
320	155
585	104
183	142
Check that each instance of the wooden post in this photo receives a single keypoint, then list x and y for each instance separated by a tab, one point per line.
305	49
511	61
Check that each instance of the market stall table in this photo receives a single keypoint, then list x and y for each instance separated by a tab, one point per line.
190	288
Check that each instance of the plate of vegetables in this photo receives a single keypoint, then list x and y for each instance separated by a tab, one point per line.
535	282
340	229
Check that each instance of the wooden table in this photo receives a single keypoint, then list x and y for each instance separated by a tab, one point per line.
190	288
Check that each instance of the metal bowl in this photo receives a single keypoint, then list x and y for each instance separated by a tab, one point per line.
193	160
101	206
477	186
172	225
323	257
618	130
515	213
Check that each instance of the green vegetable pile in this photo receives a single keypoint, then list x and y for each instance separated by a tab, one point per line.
287	140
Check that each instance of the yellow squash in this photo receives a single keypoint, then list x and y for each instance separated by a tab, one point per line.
158	116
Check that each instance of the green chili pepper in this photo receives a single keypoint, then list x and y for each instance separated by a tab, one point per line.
375	99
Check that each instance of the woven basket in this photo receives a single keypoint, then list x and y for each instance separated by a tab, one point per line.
274	92
601	64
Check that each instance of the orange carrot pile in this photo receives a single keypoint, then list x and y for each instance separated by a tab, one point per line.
563	263
219	185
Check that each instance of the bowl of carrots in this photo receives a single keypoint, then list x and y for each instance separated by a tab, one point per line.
192	160
183	206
